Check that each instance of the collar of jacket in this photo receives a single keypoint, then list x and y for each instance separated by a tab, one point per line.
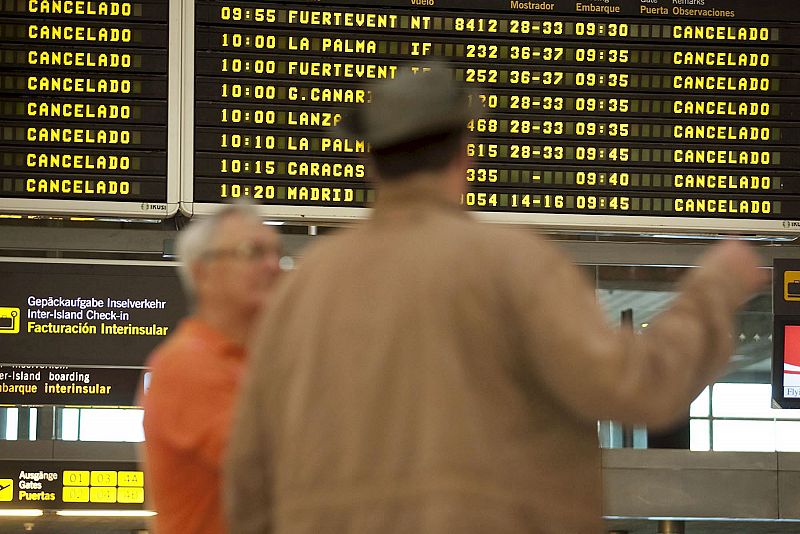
421	192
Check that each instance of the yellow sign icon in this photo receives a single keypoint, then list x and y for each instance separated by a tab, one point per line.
130	495
102	494
75	494
6	489
104	478
130	478
76	478
791	286
9	320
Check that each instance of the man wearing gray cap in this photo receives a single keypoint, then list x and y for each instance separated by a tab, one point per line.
424	373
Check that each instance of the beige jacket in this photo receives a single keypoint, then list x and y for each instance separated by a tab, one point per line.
425	373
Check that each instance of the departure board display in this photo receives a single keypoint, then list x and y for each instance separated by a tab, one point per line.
84	107
641	114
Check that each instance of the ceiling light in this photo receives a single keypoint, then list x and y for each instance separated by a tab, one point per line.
105	513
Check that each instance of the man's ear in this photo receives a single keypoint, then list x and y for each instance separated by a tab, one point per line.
463	160
199	272
458	170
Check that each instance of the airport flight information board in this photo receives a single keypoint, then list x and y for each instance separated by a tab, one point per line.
84	90
639	113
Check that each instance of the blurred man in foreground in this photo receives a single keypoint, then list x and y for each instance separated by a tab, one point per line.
230	264
424	373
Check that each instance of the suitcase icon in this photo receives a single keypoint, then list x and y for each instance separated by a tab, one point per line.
793	289
9	320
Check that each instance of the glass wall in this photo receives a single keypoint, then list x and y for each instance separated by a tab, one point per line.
735	414
739	417
102	424
71	424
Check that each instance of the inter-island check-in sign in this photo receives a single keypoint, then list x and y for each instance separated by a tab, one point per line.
79	333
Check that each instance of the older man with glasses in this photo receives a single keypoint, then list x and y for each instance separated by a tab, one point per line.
230	263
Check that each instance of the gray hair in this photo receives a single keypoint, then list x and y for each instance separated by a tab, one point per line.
197	239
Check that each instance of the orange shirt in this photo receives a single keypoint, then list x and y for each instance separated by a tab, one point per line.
188	409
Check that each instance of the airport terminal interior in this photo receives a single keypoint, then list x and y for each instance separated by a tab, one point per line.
736	476
635	134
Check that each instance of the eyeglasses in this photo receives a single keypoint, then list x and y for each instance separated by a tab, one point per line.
244	251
